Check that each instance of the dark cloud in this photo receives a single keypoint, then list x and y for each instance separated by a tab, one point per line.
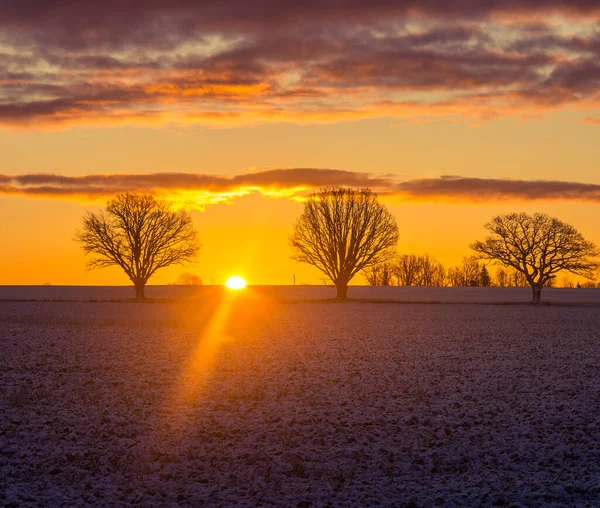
187	15
457	188
407	68
106	185
295	182
69	63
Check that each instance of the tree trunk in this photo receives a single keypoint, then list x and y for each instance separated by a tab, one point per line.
139	290
537	295
342	291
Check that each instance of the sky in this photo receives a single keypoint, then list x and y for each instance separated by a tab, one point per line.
452	111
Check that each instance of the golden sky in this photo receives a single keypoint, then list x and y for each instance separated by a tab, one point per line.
453	112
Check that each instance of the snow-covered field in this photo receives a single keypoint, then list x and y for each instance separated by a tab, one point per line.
244	401
303	293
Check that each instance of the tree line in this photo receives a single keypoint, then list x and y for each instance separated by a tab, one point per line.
343	232
426	270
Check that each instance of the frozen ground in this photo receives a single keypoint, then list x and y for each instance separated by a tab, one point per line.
256	403
305	293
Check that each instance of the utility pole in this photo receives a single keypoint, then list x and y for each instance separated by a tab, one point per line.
294	279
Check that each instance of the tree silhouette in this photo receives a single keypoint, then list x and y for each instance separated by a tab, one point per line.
188	279
484	277
465	275
537	246
471	271
502	278
379	274
408	269
343	231
431	271
141	235
517	279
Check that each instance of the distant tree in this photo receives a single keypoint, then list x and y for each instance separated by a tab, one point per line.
467	274
517	279
407	269
188	279
471	271
484	277
537	246
141	235
379	274
589	284
431	271
440	276
455	276
502	278
419	270
567	283
343	231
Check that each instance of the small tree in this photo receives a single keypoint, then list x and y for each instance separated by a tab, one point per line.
139	234
380	274
517	279
432	272
407	269
502	279
188	279
343	231
454	276
537	246
484	277
471	271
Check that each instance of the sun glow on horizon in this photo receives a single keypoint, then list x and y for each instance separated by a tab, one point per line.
235	282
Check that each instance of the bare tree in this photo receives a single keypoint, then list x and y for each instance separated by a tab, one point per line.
471	271
188	279
484	277
538	246
517	279
431	271
343	231
407	269
141	235
466	274
454	276
501	278
380	274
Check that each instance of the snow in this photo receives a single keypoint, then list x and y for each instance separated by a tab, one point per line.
305	293
248	401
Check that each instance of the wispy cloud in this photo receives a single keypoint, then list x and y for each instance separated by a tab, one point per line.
235	62
198	190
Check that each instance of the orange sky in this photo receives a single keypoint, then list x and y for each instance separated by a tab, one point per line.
278	101
249	235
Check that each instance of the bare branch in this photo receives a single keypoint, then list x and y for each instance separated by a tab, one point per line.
139	234
538	246
343	231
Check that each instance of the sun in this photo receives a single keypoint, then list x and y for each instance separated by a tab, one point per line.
236	282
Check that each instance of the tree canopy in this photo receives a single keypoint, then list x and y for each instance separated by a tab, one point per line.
539	247
343	231
141	235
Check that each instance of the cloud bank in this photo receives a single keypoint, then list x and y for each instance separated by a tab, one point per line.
234	62
198	190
